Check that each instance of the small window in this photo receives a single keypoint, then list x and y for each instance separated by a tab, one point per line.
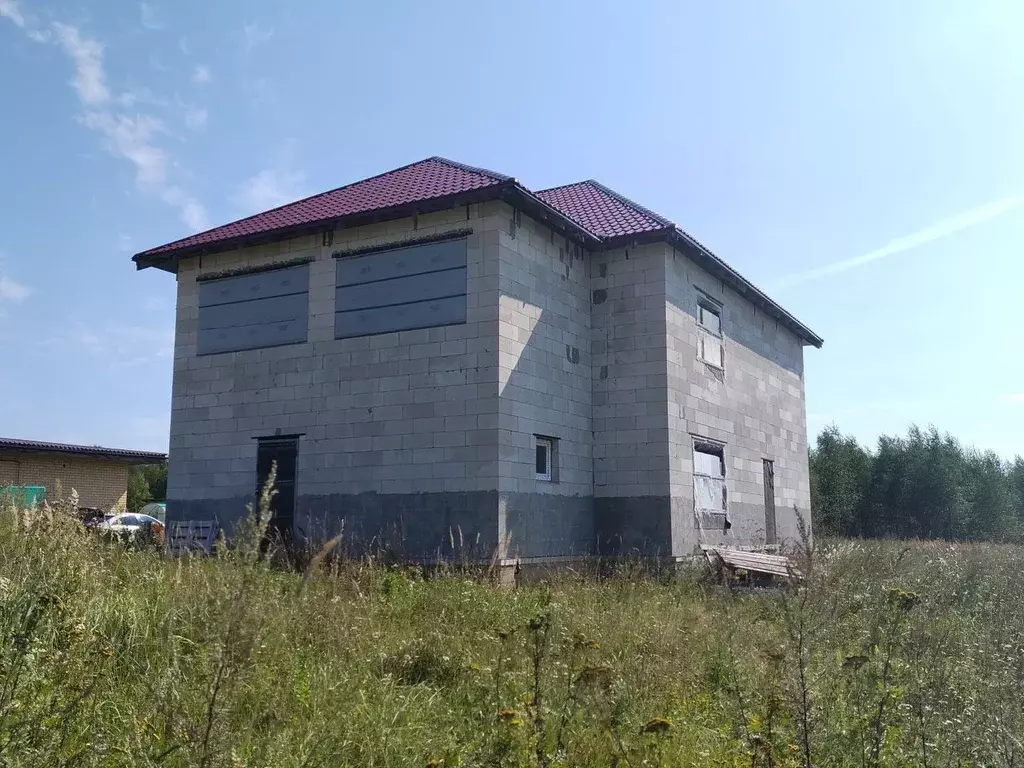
544	452
710	348
711	318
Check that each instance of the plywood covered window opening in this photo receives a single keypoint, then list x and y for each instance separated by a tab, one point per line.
710	496
401	289
263	309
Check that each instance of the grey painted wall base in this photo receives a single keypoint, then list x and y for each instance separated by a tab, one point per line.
626	525
471	525
546	524
412	526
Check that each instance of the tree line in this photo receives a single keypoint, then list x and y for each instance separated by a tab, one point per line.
923	485
146	483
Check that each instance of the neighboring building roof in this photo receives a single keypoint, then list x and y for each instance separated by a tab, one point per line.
588	211
119	454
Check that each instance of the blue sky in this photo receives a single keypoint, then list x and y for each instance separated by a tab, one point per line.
862	162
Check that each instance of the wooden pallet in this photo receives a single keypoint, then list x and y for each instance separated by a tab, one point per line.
192	536
755	562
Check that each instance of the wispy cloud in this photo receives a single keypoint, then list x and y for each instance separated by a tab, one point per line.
13	291
195	118
201	75
254	35
121	345
149	17
937	231
1015	398
268	189
11	9
89	81
133	137
124	243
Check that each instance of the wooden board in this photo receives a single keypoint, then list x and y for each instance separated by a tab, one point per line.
759	562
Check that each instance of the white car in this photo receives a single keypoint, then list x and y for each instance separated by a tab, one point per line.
131	523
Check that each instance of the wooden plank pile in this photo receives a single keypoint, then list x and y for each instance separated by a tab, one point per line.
733	560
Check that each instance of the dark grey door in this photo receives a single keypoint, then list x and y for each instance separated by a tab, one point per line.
283	452
769	502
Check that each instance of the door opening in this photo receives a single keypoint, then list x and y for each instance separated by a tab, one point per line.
282	453
770	534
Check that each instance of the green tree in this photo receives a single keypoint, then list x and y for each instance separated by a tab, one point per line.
922	485
839	473
146	483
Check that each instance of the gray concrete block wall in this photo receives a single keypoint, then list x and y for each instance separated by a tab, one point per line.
755	407
410	412
428	434
631	457
544	388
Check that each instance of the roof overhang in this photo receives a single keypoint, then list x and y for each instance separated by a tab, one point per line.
510	191
518	196
10	445
708	261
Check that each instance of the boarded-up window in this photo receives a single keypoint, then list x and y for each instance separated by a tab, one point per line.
709	492
266	309
710	347
421	286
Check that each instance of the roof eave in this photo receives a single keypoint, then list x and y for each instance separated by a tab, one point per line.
168	260
547	214
714	265
742	285
114	455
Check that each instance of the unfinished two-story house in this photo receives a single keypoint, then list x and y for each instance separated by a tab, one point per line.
440	361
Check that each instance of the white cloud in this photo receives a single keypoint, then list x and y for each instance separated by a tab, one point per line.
122	345
12	291
124	243
87	55
1015	398
11	9
201	75
133	137
268	189
149	17
195	118
937	231
253	35
191	210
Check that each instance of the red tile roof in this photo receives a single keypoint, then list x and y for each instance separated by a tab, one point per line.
428	179
587	210
602	211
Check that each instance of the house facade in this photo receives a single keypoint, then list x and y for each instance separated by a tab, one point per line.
99	475
439	361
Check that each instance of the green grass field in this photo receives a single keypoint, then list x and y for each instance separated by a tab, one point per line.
892	655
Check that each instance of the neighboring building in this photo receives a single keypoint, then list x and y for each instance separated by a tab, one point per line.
440	357
99	475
